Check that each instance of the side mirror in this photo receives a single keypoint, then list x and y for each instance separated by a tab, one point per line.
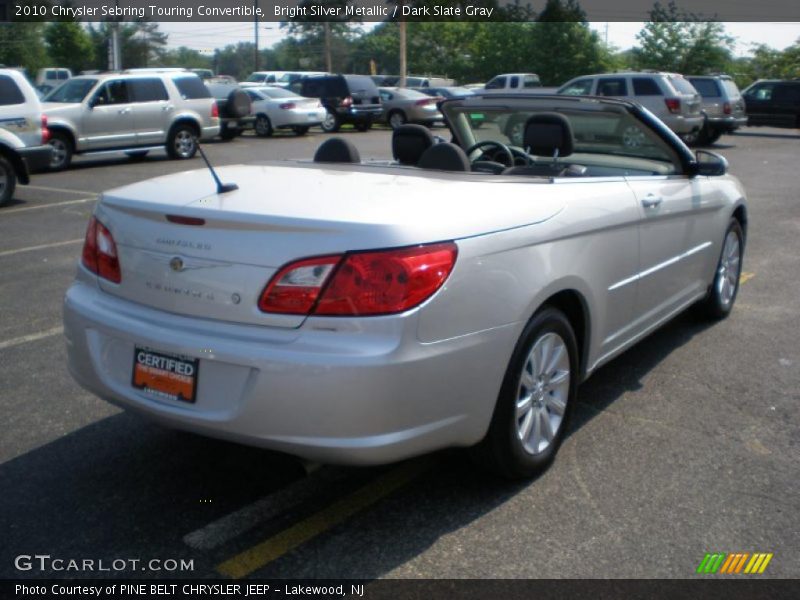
709	164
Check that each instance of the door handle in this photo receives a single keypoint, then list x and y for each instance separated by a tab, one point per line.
651	201
168	107
124	111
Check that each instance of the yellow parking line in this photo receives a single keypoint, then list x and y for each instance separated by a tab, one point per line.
273	548
745	276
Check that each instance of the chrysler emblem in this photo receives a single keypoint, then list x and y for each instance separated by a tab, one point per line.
176	264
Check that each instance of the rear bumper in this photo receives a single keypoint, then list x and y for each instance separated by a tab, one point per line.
681	124
727	123
355	114
360	395
209	133
36	158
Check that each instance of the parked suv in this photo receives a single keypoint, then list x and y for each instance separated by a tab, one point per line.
722	104
773	102
23	133
669	96
347	99
132	112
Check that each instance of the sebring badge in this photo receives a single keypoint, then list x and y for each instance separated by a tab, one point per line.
176	264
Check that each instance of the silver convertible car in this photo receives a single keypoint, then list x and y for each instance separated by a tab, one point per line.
454	296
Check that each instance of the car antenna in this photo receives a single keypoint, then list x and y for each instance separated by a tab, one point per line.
221	187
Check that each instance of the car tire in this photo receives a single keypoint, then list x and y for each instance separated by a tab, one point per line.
535	402
8	181
300	129
182	142
61	144
263	126
397	118
365	126
331	124
228	133
137	155
725	286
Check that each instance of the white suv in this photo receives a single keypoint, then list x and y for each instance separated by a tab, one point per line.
23	133
668	96
133	112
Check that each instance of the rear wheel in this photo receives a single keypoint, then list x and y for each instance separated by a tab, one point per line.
722	294
8	181
182	142
62	150
263	126
396	119
331	123
228	132
300	129
536	398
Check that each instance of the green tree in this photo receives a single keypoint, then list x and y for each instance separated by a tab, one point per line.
677	41
142	44
184	57
69	45
236	60
21	46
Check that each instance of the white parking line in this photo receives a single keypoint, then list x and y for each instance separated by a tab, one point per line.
234	524
51	205
31	337
40	247
45	188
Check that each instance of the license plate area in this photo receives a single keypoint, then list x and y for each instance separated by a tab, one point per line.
165	376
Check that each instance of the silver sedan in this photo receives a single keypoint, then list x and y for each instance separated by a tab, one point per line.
277	108
455	296
402	105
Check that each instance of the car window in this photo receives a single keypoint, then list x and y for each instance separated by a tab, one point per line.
707	88
529	81
730	88
682	85
312	87
62	75
498	83
514	83
115	91
645	86
582	87
191	88
612	87
787	93
148	90
385	95
253	95
73	90
10	92
762	91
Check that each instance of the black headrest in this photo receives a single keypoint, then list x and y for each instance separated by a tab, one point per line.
547	132
444	157
409	142
337	150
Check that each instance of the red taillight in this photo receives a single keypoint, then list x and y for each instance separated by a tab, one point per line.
425	101
214	110
361	283
348	101
726	108
287	105
295	288
673	105
45	130
100	252
180	220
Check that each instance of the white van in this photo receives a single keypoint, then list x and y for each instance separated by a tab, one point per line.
51	77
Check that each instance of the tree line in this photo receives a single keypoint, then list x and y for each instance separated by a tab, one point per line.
556	43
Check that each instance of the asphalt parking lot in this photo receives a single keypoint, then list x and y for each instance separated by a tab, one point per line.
686	444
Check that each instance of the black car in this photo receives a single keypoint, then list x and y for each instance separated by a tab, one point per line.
347	98
773	102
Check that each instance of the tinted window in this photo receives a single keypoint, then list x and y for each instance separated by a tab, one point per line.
498	83
787	93
529	81
148	90
74	90
707	88
361	84
612	87
762	91
645	86
9	92
62	75
113	92
191	88
514	83
582	87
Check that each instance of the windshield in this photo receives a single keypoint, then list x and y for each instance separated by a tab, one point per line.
289	77
257	77
607	131
73	90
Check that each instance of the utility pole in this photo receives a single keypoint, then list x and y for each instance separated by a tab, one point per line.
403	66
255	51
328	57
114	54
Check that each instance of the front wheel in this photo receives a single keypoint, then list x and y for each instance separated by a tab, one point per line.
722	294
182	142
263	126
8	181
397	119
535	401
62	151
331	123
